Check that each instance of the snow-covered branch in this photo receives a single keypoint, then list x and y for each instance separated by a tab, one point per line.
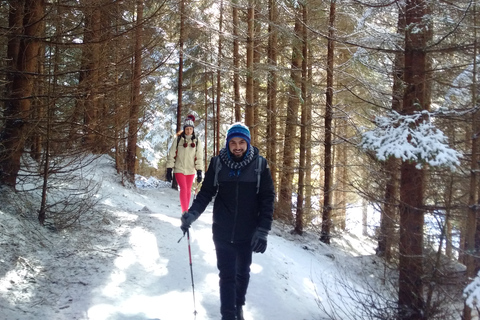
410	138
472	292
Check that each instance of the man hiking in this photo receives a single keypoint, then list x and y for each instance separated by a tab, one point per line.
241	182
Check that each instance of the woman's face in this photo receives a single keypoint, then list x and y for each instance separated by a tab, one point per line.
188	131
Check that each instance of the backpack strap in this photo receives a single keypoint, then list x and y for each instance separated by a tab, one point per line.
218	166
259	171
176	150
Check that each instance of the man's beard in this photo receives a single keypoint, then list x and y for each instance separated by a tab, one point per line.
239	157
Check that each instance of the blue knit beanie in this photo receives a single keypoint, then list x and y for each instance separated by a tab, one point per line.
238	130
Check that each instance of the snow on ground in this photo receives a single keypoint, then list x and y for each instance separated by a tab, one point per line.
126	262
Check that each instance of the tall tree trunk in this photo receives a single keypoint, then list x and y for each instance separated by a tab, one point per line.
117	109
236	63
308	152
388	214
340	173
15	25
328	172
410	294
284	209
18	107
391	166
272	92
181	41
89	76
49	115
219	86
135	104
38	105
249	86
472	229
300	217
256	83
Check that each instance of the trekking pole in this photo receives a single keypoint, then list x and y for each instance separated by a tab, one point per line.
191	272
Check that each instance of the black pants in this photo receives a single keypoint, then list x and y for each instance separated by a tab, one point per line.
233	263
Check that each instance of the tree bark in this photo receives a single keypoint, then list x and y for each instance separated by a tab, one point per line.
181	41
272	92
219	86
236	63
135	104
89	76
18	107
472	230
300	217
391	165
256	82
249	108
410	295
284	209
308	152
328	172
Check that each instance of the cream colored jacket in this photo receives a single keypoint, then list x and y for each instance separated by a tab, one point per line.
186	160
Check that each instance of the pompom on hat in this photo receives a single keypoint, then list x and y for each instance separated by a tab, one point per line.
238	130
189	121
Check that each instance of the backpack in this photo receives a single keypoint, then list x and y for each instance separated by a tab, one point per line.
218	166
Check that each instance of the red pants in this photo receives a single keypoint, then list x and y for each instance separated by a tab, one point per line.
185	184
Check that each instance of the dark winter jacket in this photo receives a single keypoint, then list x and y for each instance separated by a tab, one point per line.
238	210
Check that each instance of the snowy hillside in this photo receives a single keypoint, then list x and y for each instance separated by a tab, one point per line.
125	262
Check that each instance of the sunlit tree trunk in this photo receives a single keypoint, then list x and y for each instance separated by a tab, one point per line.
300	216
205	102
340	174
284	208
410	294
236	63
272	92
308	151
328	172
136	100
471	230
391	165
181	42
249	121
219	86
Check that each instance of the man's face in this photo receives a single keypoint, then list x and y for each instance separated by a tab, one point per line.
188	131
238	147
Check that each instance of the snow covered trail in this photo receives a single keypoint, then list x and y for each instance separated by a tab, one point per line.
126	263
158	284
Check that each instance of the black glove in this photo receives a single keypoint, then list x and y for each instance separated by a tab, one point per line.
259	240
169	175
199	176
187	219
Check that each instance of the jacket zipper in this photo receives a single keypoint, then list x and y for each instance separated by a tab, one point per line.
236	212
